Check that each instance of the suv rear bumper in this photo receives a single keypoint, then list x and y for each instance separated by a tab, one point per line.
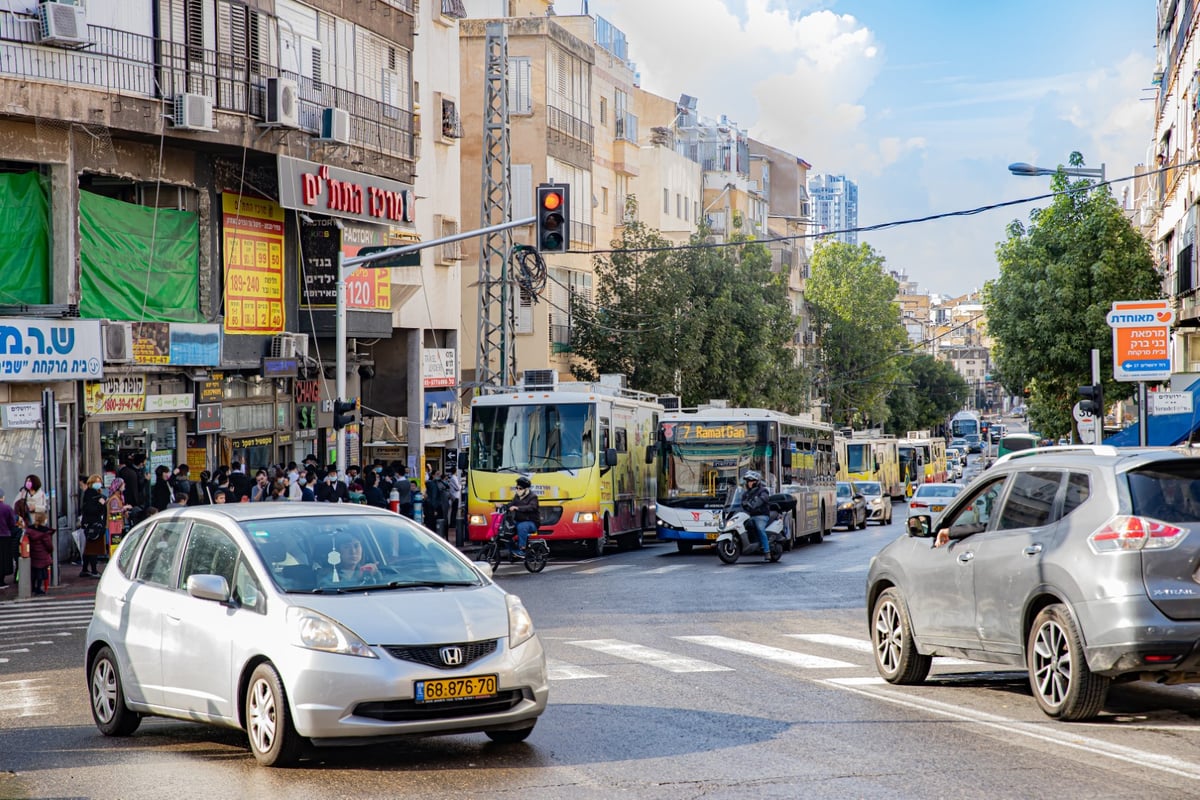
1121	632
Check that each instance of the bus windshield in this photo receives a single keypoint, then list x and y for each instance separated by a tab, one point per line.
533	438
703	461
858	457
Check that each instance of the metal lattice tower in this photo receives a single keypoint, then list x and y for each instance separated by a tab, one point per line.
496	362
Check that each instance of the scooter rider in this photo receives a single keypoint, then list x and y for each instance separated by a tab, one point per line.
524	508
756	503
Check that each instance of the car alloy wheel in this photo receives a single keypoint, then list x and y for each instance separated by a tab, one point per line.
1063	684
896	655
273	739
108	697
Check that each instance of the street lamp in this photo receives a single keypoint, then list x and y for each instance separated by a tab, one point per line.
1030	171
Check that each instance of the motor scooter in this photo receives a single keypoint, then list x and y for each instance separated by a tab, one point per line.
502	543
738	536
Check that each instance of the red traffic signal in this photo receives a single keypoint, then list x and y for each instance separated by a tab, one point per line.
553	235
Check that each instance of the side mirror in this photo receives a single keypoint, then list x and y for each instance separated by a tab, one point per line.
650	451
610	457
919	525
208	587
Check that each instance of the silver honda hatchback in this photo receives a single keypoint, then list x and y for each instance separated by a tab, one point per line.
308	624
1081	564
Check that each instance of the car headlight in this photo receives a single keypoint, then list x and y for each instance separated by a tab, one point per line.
316	631
845	506
520	624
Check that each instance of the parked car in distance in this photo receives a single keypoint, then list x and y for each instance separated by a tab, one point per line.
851	506
1077	564
327	624
932	498
879	505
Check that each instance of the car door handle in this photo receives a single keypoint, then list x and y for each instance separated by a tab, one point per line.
1032	550
965	557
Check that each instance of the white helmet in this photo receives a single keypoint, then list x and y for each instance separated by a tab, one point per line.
752	475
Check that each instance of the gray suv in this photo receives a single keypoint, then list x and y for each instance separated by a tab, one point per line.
1078	563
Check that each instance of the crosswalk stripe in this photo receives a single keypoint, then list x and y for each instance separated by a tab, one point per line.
27	696
863	646
52	615
44	603
606	568
790	657
562	671
665	570
19	650
798	568
649	656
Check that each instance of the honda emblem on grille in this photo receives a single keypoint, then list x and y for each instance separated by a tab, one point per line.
451	656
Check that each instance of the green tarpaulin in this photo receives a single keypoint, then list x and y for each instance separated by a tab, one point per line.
24	239
134	267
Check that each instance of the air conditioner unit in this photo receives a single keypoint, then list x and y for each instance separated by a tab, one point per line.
301	344
335	125
118	342
539	379
283	345
283	103
62	24
193	112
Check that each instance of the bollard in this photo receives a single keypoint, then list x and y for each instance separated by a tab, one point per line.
394	501
418	510
24	570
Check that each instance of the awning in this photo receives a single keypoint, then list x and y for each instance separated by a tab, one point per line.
1163	430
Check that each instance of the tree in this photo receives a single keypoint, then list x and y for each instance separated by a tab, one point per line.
706	322
929	392
1058	279
858	328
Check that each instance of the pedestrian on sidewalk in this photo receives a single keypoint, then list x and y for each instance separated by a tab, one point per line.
31	499
117	508
92	511
41	551
9	535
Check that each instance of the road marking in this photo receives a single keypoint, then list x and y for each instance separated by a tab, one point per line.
798	568
19	650
562	671
607	568
863	646
31	644
649	656
871	688
790	657
26	697
665	570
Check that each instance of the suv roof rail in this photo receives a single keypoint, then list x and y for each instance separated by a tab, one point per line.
1091	449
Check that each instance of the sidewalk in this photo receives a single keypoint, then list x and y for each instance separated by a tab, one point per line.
70	587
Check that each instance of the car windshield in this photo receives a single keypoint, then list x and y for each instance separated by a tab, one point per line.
937	491
870	488
355	552
843	491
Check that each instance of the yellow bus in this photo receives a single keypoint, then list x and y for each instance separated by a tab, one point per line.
586	448
922	459
872	456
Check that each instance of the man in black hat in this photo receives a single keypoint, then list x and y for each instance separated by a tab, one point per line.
524	508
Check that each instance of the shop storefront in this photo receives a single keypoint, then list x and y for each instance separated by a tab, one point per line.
136	414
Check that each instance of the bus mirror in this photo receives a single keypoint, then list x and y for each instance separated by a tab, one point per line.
649	454
610	457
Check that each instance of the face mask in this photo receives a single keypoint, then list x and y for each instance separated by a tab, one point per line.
378	470
96	486
302	481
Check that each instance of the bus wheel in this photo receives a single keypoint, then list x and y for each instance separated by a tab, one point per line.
637	539
596	546
683	547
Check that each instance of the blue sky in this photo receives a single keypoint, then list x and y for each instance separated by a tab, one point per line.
923	102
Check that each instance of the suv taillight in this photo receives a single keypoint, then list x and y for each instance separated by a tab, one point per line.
1135	533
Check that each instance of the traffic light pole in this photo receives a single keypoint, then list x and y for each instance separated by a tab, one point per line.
345	268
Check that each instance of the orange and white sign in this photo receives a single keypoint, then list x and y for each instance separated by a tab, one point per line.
1141	339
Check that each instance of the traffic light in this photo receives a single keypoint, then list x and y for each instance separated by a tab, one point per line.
1093	401
343	412
553	218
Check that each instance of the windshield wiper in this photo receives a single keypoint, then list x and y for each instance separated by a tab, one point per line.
509	468
321	590
429	584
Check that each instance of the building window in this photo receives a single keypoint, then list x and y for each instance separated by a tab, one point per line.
603	199
451	125
603	110
678	205
452	251
666	201
520	99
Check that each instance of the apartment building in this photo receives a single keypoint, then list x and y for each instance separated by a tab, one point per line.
835	205
182	175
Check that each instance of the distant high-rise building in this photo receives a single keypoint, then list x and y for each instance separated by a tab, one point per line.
835	205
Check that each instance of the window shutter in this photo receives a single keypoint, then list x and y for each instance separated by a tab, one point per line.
520	182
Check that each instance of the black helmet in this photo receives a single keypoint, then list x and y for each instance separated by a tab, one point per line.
523	482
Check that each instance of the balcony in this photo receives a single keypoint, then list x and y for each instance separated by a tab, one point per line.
122	63
575	136
626	126
583	236
560	339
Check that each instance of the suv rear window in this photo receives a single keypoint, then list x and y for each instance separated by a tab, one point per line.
1169	492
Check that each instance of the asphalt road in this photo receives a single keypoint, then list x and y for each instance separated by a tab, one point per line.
673	676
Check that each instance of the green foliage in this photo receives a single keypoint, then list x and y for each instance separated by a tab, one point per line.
1058	279
929	392
706	322
858	325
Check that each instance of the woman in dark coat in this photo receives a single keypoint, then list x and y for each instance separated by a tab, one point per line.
161	493
92	512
